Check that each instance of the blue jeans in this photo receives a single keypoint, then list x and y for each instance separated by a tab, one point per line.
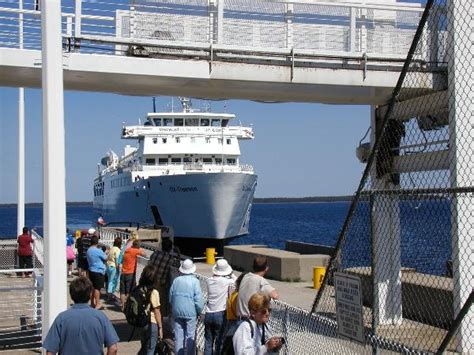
184	332
214	324
112	277
149	338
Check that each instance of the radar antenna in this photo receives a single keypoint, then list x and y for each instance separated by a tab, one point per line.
186	103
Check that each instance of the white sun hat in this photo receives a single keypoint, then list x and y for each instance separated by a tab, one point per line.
187	267
91	231
222	268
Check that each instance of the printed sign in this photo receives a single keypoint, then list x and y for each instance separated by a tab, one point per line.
350	323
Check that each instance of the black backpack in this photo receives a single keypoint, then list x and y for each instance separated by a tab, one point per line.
227	344
136	308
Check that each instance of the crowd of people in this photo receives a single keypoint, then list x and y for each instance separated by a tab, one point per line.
235	314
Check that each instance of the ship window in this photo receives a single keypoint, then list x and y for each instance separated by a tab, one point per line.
162	161
147	123
150	161
208	140
207	160
228	141
216	123
157	121
176	160
192	121
218	160
187	160
178	139
204	122
219	140
193	139
231	161
163	140
155	140
167	122
224	123
178	122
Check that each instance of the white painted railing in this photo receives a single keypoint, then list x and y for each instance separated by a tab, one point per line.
307	31
108	235
38	248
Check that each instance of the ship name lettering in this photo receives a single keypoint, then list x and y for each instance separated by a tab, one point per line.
183	189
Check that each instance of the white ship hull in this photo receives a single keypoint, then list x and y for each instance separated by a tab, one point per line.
197	205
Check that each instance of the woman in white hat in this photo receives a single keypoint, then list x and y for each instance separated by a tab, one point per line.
218	288
186	305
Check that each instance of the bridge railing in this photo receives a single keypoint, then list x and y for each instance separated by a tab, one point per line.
229	29
20	309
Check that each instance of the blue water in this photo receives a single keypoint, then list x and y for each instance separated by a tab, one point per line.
425	227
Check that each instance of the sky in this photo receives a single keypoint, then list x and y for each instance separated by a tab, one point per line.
299	149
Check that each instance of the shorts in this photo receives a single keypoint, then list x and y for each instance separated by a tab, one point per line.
97	280
127	283
82	264
69	262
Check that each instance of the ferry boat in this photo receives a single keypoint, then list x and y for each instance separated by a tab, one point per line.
185	172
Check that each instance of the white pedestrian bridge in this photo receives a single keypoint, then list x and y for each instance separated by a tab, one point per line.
265	50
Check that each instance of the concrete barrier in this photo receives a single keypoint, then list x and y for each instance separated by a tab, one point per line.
283	265
308	248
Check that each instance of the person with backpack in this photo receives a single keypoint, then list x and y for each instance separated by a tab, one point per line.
167	262
143	310
253	337
186	305
129	268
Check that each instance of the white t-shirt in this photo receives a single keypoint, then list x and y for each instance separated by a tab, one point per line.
251	284
218	291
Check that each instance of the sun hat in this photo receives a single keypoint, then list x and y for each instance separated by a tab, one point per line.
91	231
222	268
187	267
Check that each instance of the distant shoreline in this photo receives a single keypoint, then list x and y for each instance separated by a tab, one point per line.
255	200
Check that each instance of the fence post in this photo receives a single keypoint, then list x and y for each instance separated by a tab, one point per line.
77	23
462	162
352	35
289	25
220	21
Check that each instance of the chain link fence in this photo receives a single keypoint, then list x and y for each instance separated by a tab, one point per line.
408	233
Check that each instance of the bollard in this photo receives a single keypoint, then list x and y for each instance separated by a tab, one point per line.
318	276
211	256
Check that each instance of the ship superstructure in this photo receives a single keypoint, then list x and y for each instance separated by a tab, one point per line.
185	172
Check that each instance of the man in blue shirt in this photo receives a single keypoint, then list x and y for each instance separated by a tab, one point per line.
81	329
96	259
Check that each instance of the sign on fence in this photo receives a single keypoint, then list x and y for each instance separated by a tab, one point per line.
350	323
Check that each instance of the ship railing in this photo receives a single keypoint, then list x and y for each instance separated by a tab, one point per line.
192	166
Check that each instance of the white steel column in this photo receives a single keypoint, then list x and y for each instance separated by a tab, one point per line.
21	138
54	187
386	253
460	83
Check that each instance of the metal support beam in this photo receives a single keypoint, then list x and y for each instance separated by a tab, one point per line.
385	217
422	105
54	185
424	161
